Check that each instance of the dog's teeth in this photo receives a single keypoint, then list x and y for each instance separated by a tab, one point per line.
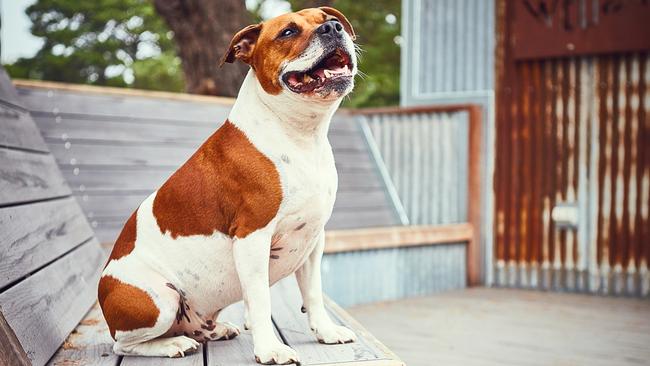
328	73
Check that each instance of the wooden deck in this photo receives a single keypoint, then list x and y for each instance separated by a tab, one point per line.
90	343
512	327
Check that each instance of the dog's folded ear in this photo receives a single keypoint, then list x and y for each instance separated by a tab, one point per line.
242	45
346	23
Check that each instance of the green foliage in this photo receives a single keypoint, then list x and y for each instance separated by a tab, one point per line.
380	56
101	42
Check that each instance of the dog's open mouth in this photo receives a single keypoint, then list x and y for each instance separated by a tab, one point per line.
335	66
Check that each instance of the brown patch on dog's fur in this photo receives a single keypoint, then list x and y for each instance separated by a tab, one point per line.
126	241
125	307
276	50
227	185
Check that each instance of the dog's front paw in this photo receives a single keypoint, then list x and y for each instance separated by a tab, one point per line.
334	334
224	331
276	354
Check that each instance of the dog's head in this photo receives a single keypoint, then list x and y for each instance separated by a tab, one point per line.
309	53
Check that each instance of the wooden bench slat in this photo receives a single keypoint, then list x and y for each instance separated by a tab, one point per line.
34	234
161	155
75	130
293	325
44	308
89	343
83	154
195	359
26	176
235	352
108	227
130	103
17	130
56	128
123	203
125	106
96	179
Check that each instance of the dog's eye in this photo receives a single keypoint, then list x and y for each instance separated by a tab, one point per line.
287	32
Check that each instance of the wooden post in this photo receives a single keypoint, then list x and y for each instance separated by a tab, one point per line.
474	198
11	352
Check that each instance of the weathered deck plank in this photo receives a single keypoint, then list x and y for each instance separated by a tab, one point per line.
195	359
294	327
238	351
480	326
90	343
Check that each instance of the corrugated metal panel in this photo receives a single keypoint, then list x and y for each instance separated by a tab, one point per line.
449	46
448	58
352	278
574	131
426	156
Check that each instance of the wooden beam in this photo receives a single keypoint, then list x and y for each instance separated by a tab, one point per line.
11	352
337	241
474	196
107	90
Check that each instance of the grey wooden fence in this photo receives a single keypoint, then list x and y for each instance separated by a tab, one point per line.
115	149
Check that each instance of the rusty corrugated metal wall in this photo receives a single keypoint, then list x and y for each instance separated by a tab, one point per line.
574	131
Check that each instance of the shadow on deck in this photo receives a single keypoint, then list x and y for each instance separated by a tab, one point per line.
481	326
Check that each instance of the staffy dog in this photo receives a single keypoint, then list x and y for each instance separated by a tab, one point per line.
247	209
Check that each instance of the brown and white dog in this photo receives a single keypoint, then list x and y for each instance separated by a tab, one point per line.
247	209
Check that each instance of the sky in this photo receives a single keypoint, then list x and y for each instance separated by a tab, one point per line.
16	39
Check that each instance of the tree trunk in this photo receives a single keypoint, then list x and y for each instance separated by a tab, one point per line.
202	32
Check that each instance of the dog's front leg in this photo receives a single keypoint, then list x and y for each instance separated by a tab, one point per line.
309	281
251	256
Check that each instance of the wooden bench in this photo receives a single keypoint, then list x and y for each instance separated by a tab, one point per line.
50	263
90	343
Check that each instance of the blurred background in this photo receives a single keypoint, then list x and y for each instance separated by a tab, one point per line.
162	45
494	158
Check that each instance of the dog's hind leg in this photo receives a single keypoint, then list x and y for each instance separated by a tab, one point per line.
137	318
201	327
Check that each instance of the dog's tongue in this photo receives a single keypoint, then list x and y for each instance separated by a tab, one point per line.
293	80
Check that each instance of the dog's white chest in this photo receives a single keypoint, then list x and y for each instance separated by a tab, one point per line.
309	187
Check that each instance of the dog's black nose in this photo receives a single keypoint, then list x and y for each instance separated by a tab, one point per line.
330	27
